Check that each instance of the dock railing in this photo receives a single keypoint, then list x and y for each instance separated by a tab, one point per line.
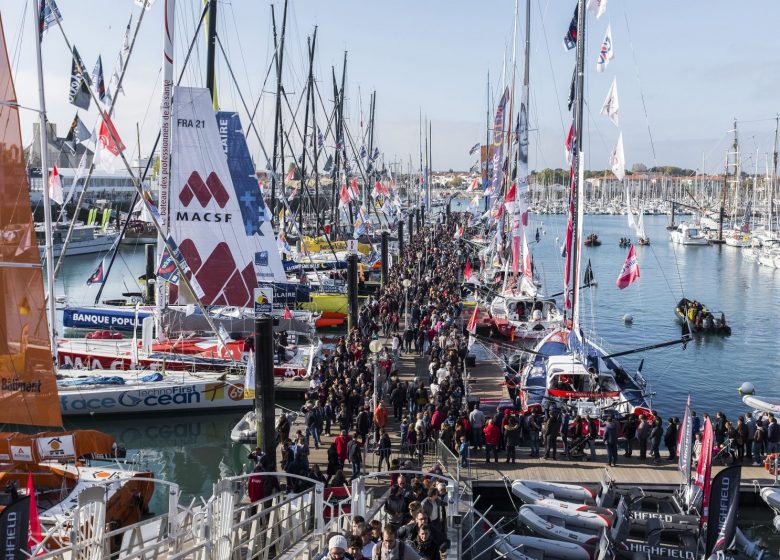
226	527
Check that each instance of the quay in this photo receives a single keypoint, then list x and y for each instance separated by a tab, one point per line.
298	521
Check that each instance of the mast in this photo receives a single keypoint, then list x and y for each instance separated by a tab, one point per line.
43	137
278	143
430	165
579	166
486	176
315	134
211	51
165	151
774	176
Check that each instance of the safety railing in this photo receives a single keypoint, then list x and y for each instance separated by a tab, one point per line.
226	527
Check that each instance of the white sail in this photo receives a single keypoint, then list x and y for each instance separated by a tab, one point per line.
205	213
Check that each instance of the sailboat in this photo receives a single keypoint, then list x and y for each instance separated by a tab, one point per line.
54	461
224	250
569	369
637	224
520	311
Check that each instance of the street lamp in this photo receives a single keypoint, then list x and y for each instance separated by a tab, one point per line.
406	283
375	346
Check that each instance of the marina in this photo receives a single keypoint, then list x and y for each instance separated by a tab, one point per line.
248	313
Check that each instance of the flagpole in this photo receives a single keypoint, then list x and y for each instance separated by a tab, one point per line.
43	137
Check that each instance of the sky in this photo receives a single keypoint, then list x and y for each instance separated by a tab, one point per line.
685	71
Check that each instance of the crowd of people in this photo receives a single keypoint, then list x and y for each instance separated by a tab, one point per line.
359	406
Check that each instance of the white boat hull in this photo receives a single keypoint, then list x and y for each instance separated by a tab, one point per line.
521	547
557	525
540	492
175	393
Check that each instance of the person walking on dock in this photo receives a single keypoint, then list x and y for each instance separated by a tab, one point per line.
593	433
512	433
534	429
670	439
656	433
629	431
355	453
611	441
477	421
492	439
384	449
551	430
642	435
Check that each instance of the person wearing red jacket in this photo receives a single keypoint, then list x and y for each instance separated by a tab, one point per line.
437	420
341	441
492	437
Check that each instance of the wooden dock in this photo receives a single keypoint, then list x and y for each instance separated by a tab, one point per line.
486	382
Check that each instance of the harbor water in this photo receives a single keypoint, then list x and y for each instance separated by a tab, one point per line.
195	450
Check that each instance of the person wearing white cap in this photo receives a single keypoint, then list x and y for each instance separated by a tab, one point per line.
337	549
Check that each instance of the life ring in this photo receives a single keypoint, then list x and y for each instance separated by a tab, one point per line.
771	463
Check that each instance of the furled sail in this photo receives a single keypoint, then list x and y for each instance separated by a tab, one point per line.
28	389
206	219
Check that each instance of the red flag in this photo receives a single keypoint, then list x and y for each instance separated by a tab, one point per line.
353	185
527	259
35	536
467	271
344	197
107	135
474	184
55	186
327	229
511	194
630	271
291	174
459	232
287	314
472	326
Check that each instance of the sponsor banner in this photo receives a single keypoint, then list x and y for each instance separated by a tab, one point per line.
56	448
80	318
288	293
15	530
264	299
21	453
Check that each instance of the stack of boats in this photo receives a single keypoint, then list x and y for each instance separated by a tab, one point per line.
580	522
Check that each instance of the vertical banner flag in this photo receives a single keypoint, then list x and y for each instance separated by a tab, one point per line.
48	13
611	106
15	530
570	39
685	443
79	90
498	140
36	535
467	271
724	502
617	160
605	53
630	272
100	84
597	7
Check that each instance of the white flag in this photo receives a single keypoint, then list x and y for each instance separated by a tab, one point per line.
605	53
55	186
611	107
617	160
598	7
